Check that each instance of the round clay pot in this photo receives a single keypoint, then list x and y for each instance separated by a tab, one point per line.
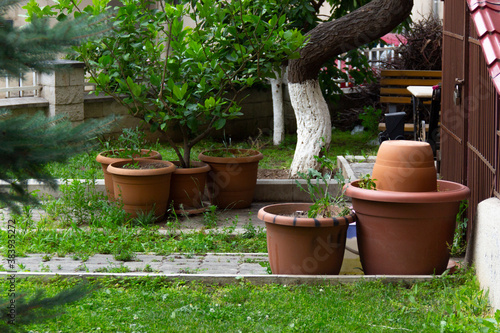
301	245
142	190
405	233
231	181
405	166
187	187
106	160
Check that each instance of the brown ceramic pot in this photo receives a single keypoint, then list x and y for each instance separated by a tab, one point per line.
145	189
105	159
301	245
405	166
231	180
187	187
406	233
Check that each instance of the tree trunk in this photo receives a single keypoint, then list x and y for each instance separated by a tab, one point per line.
278	113
313	124
327	41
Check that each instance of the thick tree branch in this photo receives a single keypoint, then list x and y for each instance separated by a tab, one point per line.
357	28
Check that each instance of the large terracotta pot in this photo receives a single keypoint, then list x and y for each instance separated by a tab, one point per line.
406	166
187	187
301	245
105	159
145	189
231	181
406	233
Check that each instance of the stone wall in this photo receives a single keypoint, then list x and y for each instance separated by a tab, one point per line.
486	248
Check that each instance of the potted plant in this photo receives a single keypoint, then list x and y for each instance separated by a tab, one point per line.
142	185
308	238
179	79
405	230
233	176
131	142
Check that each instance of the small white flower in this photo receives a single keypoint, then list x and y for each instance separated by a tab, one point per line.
321	290
212	310
249	318
136	317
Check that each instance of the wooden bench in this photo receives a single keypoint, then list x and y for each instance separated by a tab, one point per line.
393	92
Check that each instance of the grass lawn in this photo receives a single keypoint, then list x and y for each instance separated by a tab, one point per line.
448	304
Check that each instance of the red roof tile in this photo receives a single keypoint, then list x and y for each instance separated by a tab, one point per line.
486	17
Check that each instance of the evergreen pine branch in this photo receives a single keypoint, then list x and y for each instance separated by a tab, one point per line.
35	309
30	142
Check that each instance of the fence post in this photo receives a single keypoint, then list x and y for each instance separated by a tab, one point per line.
63	88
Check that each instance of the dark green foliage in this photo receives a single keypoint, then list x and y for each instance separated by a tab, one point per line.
37	308
28	143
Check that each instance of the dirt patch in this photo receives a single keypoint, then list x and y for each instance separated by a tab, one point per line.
272	174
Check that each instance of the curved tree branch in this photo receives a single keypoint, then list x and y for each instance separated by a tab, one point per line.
357	28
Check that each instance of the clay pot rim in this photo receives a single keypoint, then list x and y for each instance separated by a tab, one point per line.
102	158
307	222
115	168
447	192
196	168
256	156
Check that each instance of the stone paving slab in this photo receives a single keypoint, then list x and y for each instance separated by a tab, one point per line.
214	264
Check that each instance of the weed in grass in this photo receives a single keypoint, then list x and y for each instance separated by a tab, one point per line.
2	269
82	268
266	265
59	267
113	269
144	219
490	324
459	245
44	268
210	217
46	257
122	254
21	266
148	268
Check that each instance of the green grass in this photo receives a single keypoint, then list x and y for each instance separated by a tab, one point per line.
446	304
84	166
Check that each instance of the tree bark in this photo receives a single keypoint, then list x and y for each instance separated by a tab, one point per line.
278	113
327	41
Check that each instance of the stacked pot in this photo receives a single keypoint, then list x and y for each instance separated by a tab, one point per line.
406	225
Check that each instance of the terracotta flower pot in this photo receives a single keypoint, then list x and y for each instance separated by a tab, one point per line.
105	159
142	189
406	166
301	245
187	187
406	233
231	180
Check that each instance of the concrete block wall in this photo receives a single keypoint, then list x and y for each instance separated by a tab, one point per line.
486	248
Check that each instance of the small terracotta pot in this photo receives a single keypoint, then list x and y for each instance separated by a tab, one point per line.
301	245
405	166
187	187
231	181
106	160
142	189
406	233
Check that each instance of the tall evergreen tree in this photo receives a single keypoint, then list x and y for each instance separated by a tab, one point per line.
28	143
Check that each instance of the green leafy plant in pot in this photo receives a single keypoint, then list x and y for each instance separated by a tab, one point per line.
309	238
131	142
182	80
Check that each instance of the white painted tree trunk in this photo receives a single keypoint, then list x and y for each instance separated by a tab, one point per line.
278	112
313	124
